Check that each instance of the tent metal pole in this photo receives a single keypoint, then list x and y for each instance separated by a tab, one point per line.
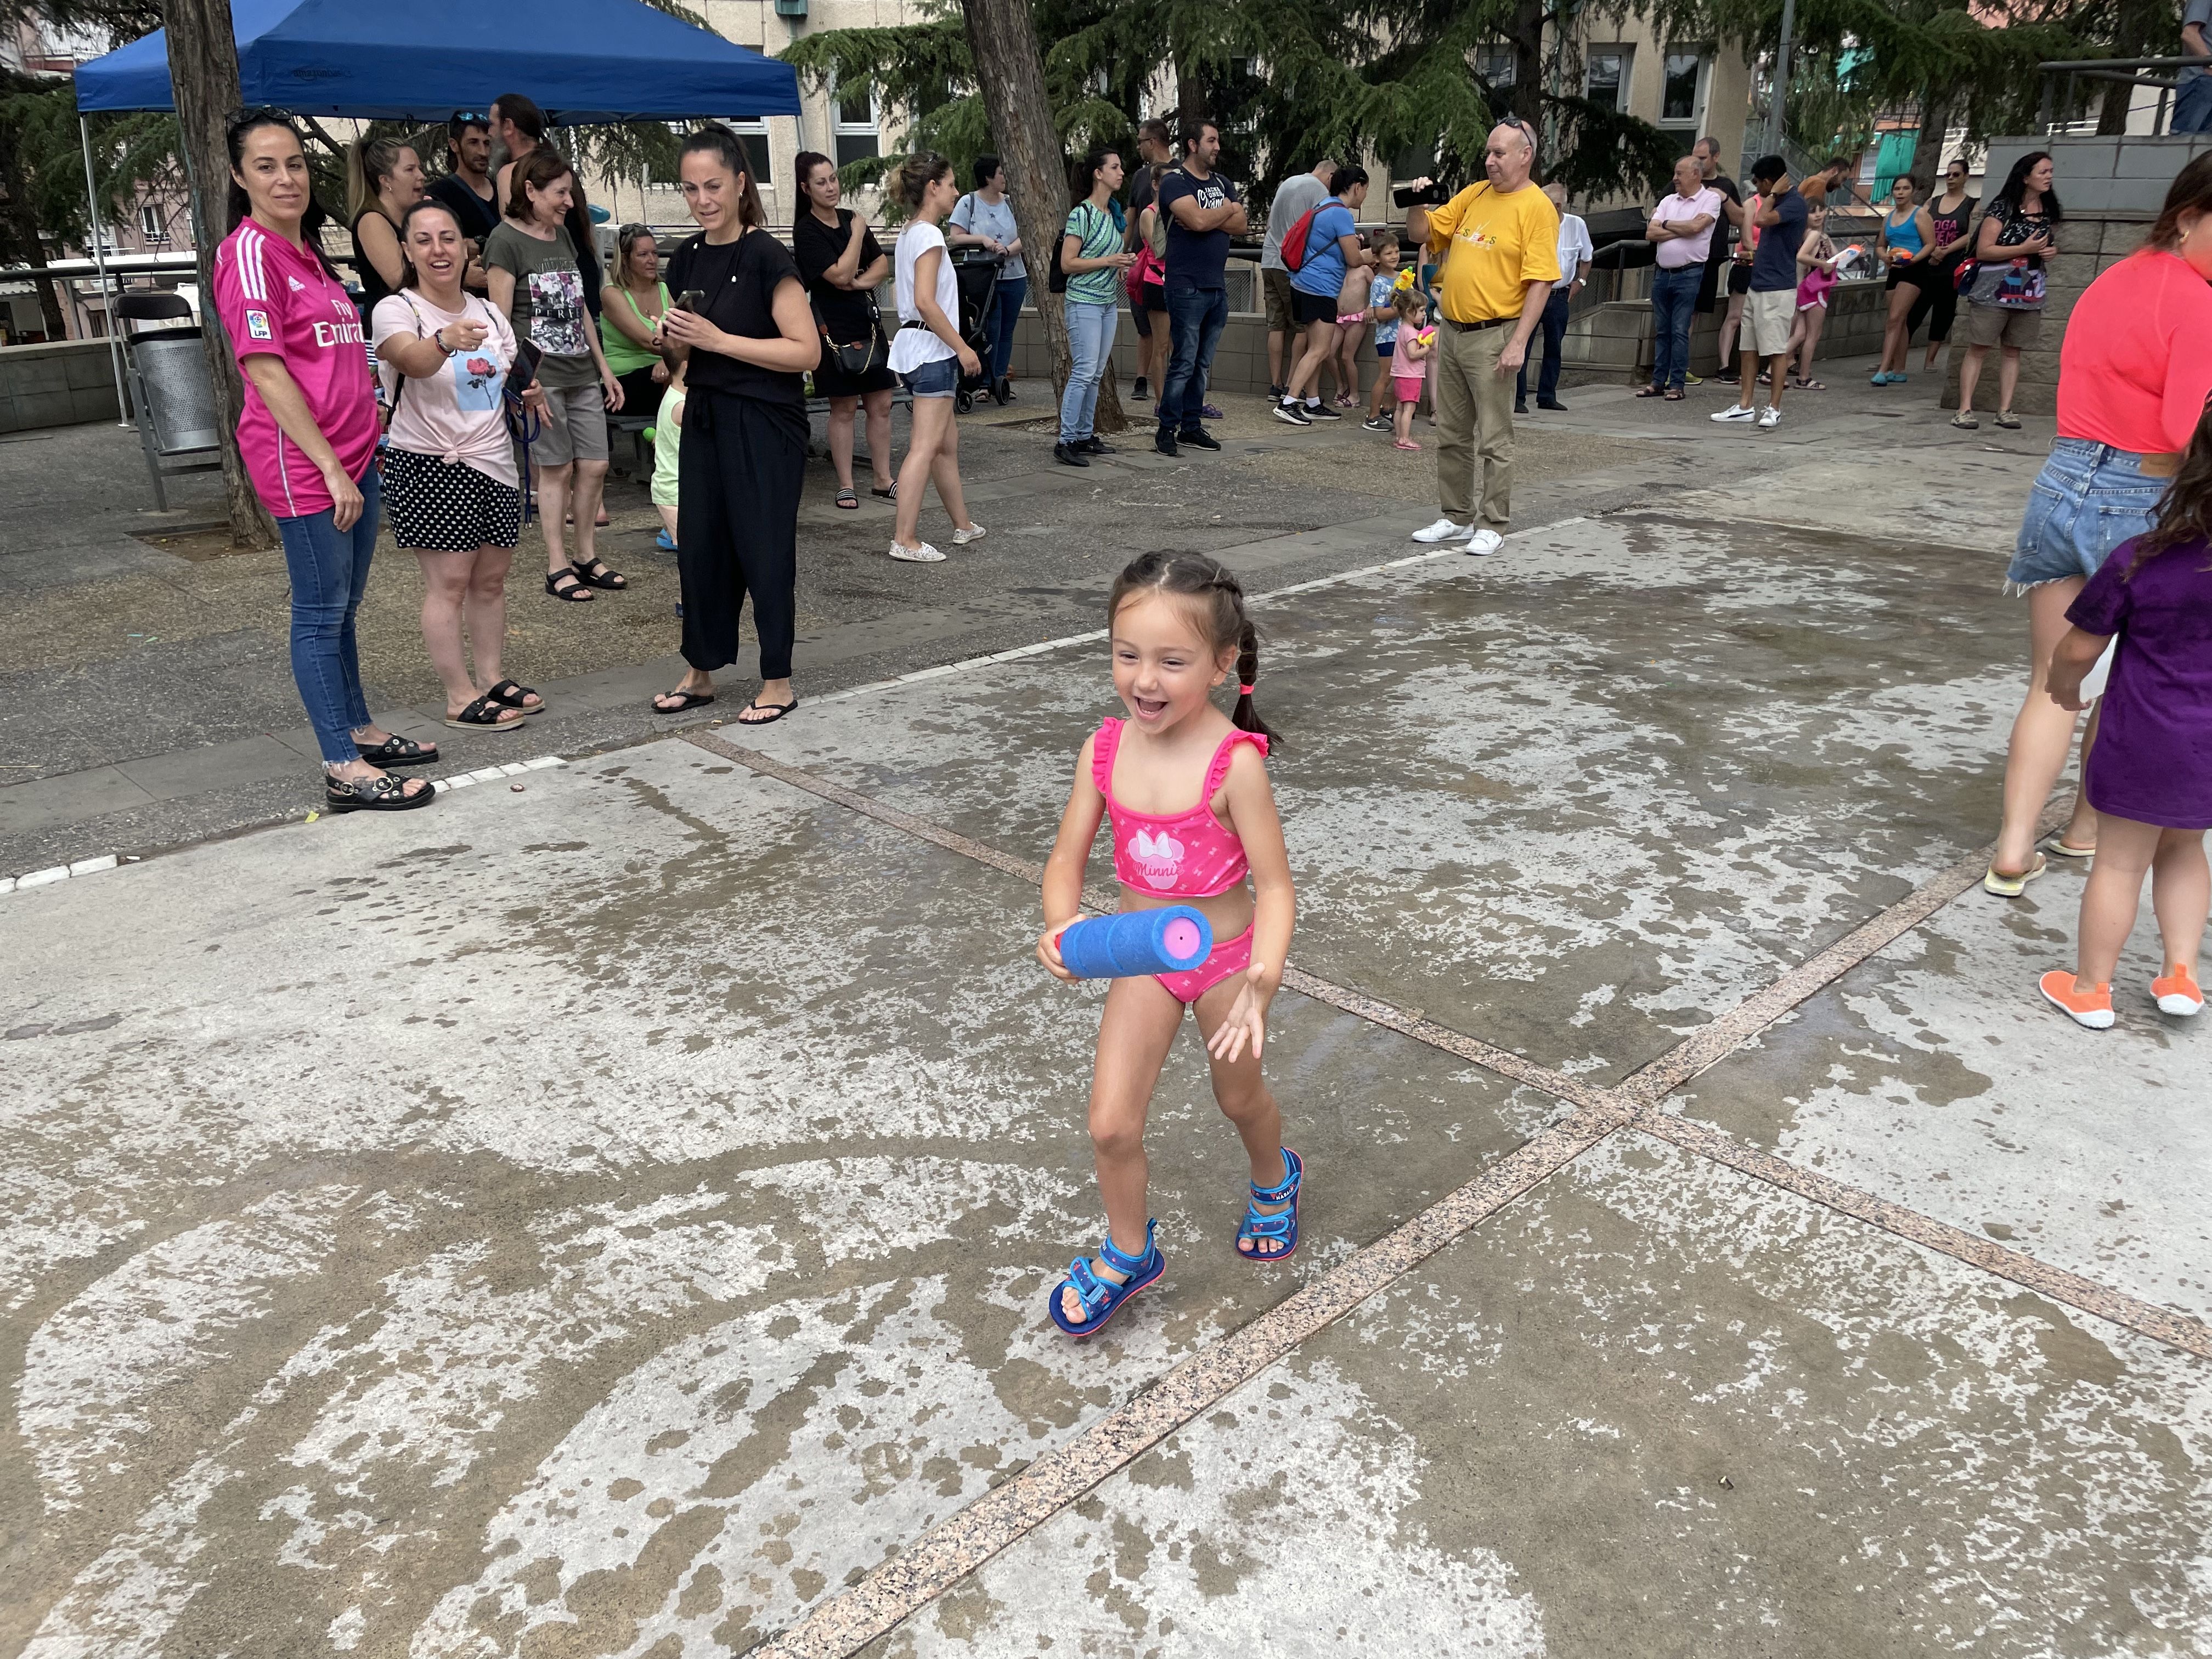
100	261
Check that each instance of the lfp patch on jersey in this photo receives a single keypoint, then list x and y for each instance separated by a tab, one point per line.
257	325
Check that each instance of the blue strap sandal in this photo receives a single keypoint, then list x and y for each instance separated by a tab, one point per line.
1103	1298
1284	1225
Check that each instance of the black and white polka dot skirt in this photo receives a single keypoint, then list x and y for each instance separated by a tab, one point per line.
435	507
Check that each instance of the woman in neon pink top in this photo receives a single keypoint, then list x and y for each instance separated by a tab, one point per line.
2134	374
308	434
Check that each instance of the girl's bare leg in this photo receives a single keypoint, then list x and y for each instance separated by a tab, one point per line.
2112	894
2042	732
1730	325
945	471
1247	1102
2180	893
2007	377
1134	1034
931	417
445	587
1970	376
878	406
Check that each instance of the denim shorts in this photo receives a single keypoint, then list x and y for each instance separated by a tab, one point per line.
939	379
2088	499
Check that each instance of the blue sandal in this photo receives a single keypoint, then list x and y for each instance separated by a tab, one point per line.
1101	1297
1284	1225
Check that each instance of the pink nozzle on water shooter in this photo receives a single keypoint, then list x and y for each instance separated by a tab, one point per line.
1184	941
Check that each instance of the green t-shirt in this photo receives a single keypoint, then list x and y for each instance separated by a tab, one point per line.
1092	227
548	301
622	354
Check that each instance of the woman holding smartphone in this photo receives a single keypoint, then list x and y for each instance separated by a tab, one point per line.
742	330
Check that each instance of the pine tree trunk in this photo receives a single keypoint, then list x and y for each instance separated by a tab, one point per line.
2135	23
203	71
1526	99
1928	148
1010	70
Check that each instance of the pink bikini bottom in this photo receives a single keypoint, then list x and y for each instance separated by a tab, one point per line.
1232	956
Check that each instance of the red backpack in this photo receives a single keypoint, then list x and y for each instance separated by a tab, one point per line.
1295	239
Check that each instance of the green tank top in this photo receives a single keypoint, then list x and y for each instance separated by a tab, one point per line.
623	354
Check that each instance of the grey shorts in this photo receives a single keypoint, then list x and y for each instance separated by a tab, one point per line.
2004	325
575	428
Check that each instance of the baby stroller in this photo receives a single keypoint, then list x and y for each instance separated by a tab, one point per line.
976	270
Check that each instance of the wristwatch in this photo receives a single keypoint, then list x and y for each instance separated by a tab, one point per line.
439	341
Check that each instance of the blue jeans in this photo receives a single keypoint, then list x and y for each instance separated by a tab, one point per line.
1196	318
1554	324
2088	499
1674	299
2192	105
1006	311
329	569
1091	346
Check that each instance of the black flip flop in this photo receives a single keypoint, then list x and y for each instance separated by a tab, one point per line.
510	695
400	751
381	794
483	716
890	495
774	711
685	700
849	499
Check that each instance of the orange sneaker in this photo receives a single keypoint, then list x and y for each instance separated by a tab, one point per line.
2177	993
2091	1008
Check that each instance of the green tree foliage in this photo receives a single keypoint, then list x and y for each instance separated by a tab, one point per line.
39	125
1287	81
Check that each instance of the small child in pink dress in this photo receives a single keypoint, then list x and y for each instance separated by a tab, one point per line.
1409	362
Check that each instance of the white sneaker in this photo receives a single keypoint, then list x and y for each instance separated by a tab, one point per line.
962	538
1740	412
923	553
1770	416
1443	530
1484	542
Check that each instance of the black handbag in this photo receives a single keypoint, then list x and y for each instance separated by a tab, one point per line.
862	357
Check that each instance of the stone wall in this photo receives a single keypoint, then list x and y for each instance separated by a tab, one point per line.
65	383
2111	189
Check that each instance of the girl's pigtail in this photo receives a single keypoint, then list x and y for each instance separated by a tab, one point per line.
1245	717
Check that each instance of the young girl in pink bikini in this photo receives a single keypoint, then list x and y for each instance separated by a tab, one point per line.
1186	790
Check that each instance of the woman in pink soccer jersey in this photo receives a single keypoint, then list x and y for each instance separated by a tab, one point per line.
308	437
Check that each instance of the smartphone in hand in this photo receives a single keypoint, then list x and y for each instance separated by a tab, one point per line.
692	300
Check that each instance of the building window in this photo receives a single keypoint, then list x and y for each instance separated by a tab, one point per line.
854	124
1494	65
1605	80
1682	94
151	225
753	135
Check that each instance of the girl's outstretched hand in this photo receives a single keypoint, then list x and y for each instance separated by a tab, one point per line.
1247	1018
1049	949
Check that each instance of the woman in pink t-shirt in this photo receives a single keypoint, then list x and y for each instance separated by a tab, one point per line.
2134	373
308	434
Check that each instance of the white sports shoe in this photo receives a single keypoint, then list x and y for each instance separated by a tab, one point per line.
962	538
1739	412
1770	416
1443	530
1485	542
921	553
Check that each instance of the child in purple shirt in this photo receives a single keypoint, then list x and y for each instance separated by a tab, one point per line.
2150	772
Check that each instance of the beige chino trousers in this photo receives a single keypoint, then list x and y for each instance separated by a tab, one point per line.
1475	413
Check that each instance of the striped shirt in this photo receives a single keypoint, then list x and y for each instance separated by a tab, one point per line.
276	300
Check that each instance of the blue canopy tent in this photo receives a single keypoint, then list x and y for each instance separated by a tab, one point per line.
580	60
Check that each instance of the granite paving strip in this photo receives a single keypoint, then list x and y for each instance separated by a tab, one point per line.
1711	1044
947	1552
2148	1318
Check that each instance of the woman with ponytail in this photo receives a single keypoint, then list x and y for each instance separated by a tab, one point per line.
384	178
308	434
1194	823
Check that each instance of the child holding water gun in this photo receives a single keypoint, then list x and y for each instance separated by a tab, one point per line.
1185	790
2150	772
1409	362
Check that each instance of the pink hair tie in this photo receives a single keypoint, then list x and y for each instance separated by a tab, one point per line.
1243	691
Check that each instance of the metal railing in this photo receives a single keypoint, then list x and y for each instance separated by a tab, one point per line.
2060	81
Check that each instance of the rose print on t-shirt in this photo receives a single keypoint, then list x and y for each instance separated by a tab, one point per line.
1158	858
475	382
557	312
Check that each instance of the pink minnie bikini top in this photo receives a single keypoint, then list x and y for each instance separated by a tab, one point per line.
1188	854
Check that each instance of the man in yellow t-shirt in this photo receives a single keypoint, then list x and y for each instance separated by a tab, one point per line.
1499	242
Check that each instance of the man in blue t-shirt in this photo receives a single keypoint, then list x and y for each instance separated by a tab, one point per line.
1202	214
1332	250
1771	307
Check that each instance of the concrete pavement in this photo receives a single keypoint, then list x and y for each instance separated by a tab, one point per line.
613	1216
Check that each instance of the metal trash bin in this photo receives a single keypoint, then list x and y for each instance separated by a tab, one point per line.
179	395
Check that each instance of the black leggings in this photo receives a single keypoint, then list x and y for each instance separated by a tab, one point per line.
1937	303
640	396
742	466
